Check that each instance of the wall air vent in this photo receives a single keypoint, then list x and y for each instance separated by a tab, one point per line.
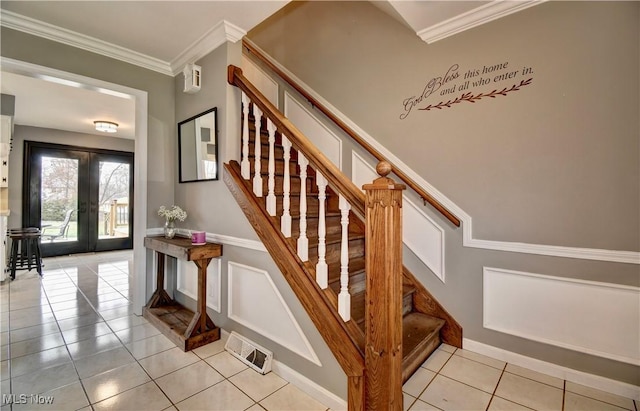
192	78
249	353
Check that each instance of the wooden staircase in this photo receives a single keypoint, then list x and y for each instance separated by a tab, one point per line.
325	230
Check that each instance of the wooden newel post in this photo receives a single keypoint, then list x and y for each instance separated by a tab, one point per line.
383	297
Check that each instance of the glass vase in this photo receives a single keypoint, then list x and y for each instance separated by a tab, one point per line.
169	229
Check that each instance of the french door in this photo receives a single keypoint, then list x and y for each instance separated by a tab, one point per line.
81	198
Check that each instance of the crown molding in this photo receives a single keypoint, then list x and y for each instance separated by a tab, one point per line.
473	18
221	33
61	35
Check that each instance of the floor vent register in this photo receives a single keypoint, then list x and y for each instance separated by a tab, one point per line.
249	353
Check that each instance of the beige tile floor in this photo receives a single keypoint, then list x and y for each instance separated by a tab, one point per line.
72	336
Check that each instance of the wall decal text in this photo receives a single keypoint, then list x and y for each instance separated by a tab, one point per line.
452	80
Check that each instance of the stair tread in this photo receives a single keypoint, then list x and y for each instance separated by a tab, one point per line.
416	327
420	338
356	265
334	238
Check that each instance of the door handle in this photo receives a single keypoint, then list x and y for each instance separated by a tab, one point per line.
82	207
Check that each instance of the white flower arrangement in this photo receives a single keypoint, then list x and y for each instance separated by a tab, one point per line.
173	213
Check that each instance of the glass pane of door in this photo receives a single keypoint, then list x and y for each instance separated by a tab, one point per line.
59	199
80	197
113	200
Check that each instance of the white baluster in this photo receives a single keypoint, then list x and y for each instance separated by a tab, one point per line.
303	241
257	178
285	220
344	298
245	168
271	197
322	271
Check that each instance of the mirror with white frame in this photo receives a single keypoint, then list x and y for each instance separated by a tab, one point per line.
198	148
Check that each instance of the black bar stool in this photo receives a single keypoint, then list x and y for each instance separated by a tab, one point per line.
25	250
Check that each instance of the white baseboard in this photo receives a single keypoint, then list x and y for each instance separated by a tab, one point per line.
594	381
314	390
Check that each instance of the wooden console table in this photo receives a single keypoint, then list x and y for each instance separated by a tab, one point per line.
188	330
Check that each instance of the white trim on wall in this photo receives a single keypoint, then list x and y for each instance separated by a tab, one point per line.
595	318
310	387
319	134
590	380
423	236
628	257
281	326
216	238
314	390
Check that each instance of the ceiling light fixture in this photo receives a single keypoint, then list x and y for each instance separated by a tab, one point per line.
106	126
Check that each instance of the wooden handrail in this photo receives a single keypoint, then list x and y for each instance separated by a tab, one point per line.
405	178
300	142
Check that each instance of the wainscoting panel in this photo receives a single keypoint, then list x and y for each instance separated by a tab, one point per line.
592	317
361	172
261	80
255	302
419	232
423	236
328	143
187	281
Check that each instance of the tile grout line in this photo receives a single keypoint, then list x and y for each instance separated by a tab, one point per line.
123	345
9	342
75	284
437	373
225	378
99	316
66	346
155	379
493	394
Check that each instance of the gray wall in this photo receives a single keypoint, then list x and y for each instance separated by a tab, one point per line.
554	163
212	208
161	122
